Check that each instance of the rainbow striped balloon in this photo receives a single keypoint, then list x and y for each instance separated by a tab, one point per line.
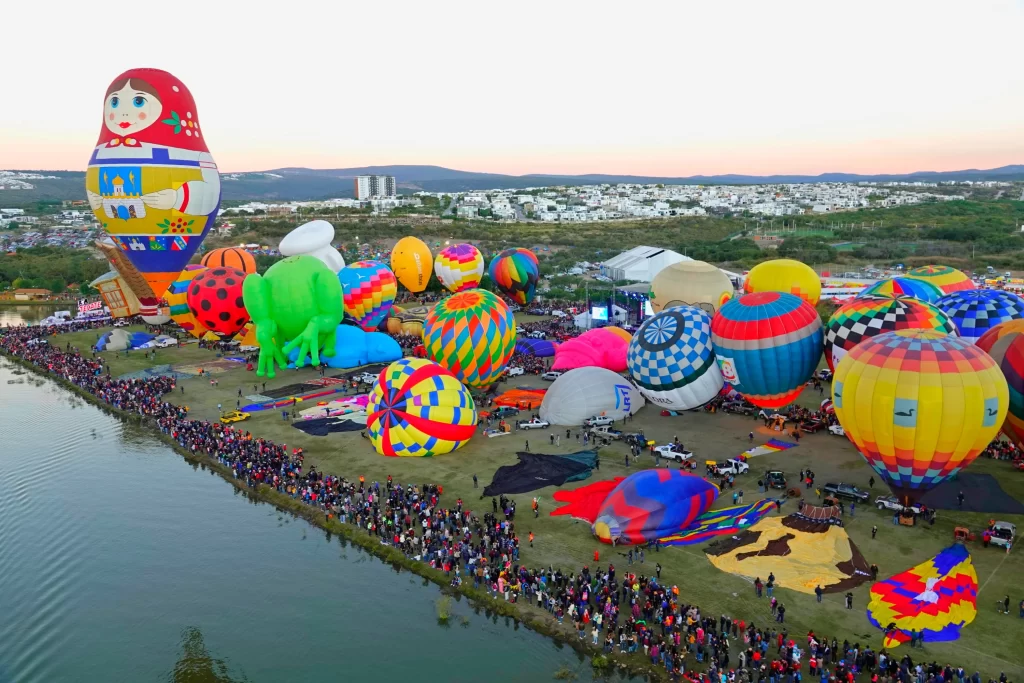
417	408
944	277
472	334
515	272
459	267
919	405
370	289
1005	343
903	287
860	318
767	345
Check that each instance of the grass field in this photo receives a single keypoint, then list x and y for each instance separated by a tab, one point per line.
991	644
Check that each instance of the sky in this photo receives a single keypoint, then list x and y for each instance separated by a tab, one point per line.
671	88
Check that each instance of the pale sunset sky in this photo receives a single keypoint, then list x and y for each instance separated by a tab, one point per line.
670	88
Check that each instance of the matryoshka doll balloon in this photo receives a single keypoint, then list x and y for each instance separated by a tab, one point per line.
151	180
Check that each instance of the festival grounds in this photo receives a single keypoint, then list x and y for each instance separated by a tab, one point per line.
991	644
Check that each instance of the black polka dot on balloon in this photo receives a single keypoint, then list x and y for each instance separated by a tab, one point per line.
209	324
205	305
220	271
240	302
211	282
222	293
229	281
224	316
240	322
195	288
195	313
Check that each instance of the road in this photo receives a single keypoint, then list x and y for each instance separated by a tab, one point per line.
451	208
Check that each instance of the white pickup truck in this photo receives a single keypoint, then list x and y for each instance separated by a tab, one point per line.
673	452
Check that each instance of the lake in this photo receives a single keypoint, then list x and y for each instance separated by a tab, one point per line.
119	561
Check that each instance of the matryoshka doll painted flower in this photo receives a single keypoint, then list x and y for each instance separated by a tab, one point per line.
151	181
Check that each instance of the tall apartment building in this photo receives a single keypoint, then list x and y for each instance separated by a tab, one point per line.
371	186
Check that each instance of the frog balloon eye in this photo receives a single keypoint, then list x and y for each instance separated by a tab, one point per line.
138	100
114	101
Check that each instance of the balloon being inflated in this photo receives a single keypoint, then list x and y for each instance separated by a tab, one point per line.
151	180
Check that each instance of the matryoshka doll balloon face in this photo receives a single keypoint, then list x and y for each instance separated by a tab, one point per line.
131	106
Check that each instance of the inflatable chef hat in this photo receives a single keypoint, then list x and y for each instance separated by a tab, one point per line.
313	239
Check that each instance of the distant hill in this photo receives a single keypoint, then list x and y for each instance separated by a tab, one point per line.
307	183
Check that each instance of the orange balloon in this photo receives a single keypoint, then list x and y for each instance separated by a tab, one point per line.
412	263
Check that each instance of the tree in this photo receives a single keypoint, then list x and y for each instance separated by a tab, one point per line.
57	285
85	290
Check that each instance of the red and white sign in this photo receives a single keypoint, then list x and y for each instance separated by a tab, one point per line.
89	306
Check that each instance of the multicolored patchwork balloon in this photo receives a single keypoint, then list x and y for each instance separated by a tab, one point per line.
459	267
1005	343
919	405
652	504
860	318
515	272
945	278
671	359
935	599
976	311
767	345
177	300
472	334
922	289
417	408
370	289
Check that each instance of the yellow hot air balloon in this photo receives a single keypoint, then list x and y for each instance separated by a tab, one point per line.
919	405
690	283
412	263
785	275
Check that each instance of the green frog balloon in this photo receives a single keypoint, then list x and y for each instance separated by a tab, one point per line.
297	304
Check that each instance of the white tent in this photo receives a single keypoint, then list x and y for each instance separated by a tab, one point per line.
640	263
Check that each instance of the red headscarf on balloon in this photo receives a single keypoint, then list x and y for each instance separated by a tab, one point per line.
177	124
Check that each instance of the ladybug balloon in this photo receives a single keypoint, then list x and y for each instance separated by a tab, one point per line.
215	299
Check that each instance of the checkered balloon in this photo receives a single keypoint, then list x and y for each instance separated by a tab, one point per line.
976	311
472	334
860	318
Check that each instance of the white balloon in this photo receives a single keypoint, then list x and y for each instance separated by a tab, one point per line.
588	392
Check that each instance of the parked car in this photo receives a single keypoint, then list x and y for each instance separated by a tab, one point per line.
673	452
520	329
514	371
597	421
366	377
505	411
836	430
893	504
811	426
638	439
551	375
775	479
825	375
605	430
234	416
841	490
1003	534
535	423
559	314
738	408
732	466
165	343
537	334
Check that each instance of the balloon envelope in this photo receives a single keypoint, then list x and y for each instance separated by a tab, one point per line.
472	334
919	405
515	272
459	267
1005	343
904	287
976	311
767	346
602	348
785	275
369	291
541	348
417	408
412	264
672	361
587	392
945	278
232	257
652	504
690	283
215	300
864	317
151	181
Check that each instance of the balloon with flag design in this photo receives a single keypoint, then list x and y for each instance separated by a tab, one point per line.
919	405
151	180
767	345
1005	343
933	600
459	267
370	289
417	408
515	272
472	334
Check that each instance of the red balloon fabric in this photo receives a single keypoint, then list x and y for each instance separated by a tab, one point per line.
215	300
